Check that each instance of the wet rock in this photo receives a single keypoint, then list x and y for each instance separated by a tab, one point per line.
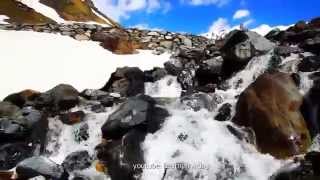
72	117
311	108
240	47
8	109
286	51
40	166
61	98
303	169
271	107
78	160
309	64
11	154
173	67
22	98
11	130
312	45
210	71
81	37
120	156
186	79
81	132
128	81
93	94
155	74
224	113
137	112
198	101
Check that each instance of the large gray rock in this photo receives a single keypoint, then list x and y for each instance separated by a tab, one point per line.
40	166
240	46
137	112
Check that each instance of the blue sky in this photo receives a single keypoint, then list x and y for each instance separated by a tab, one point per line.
198	16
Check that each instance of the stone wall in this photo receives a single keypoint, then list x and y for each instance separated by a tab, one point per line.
153	40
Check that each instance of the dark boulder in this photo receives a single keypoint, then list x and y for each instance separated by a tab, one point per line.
12	154
224	112
78	160
173	67
60	98
275	35
128	81
120	156
210	71
239	47
271	107
8	109
22	98
307	168
312	45
309	64
155	74
311	107
40	166
137	112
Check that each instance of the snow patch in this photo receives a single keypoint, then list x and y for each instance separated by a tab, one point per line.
43	9
40	61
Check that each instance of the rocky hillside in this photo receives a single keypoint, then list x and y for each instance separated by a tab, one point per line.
49	11
245	108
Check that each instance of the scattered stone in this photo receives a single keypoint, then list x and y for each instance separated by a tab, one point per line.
224	113
155	74
78	160
22	98
81	37
121	155
40	166
309	64
128	81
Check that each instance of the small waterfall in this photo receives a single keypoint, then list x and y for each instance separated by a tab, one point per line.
205	147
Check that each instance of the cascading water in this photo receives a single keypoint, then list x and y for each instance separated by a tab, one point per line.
190	145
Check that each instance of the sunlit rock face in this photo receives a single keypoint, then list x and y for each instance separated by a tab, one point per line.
270	106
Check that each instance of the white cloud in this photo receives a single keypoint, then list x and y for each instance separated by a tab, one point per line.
241	13
219	28
264	29
119	9
219	3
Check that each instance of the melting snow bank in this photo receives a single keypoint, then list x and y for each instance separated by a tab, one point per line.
40	61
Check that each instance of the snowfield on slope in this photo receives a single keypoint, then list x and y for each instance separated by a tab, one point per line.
40	61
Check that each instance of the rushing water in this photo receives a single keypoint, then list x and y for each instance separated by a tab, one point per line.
190	145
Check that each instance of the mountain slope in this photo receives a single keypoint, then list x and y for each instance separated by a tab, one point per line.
18	12
48	11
